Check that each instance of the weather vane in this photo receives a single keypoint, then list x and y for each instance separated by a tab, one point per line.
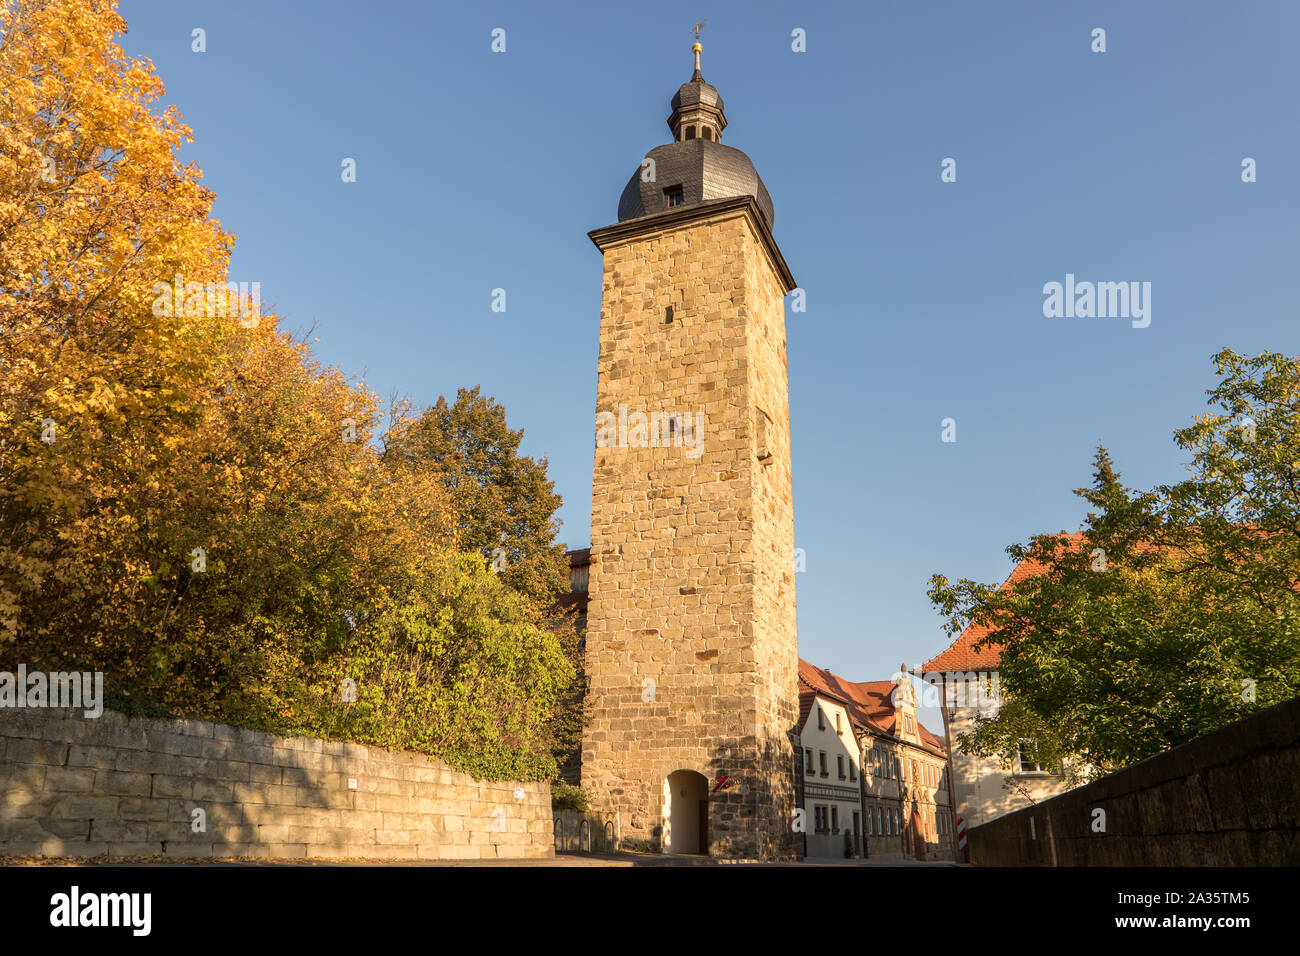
696	48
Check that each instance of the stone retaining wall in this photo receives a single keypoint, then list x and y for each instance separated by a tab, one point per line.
72	786
1230	798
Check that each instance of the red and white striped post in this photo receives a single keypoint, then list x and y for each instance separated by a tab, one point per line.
961	836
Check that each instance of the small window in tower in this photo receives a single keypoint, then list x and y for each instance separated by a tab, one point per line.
690	132
763	425
708	133
673	196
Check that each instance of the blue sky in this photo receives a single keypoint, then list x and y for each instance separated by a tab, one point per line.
478	170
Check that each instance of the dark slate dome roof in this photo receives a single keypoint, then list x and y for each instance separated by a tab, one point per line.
703	168
694	92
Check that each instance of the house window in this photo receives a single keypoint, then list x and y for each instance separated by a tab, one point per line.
837	723
835	819
673	196
808	761
1027	757
840	765
871	823
853	771
820	823
857	822
821	719
821	757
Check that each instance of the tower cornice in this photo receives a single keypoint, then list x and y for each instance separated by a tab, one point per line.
678	215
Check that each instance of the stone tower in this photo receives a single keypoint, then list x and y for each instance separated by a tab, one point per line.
691	650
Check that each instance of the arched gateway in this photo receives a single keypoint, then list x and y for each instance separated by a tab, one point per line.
686	812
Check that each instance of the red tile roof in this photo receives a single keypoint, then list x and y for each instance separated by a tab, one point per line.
930	738
961	655
869	704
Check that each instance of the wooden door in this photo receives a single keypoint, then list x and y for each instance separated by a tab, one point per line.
704	827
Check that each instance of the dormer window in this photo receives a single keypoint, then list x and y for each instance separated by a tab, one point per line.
673	196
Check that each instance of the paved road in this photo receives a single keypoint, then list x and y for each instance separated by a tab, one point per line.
560	859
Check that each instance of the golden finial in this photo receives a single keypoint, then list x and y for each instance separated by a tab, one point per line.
695	47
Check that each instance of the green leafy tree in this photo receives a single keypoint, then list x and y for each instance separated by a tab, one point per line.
504	508
504	503
192	504
1173	612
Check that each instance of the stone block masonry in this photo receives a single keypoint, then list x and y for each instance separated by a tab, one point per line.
691	640
118	786
1229	798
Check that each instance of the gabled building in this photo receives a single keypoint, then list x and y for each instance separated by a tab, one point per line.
866	737
832	770
967	679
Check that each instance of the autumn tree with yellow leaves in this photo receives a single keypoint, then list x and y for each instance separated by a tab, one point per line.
188	501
